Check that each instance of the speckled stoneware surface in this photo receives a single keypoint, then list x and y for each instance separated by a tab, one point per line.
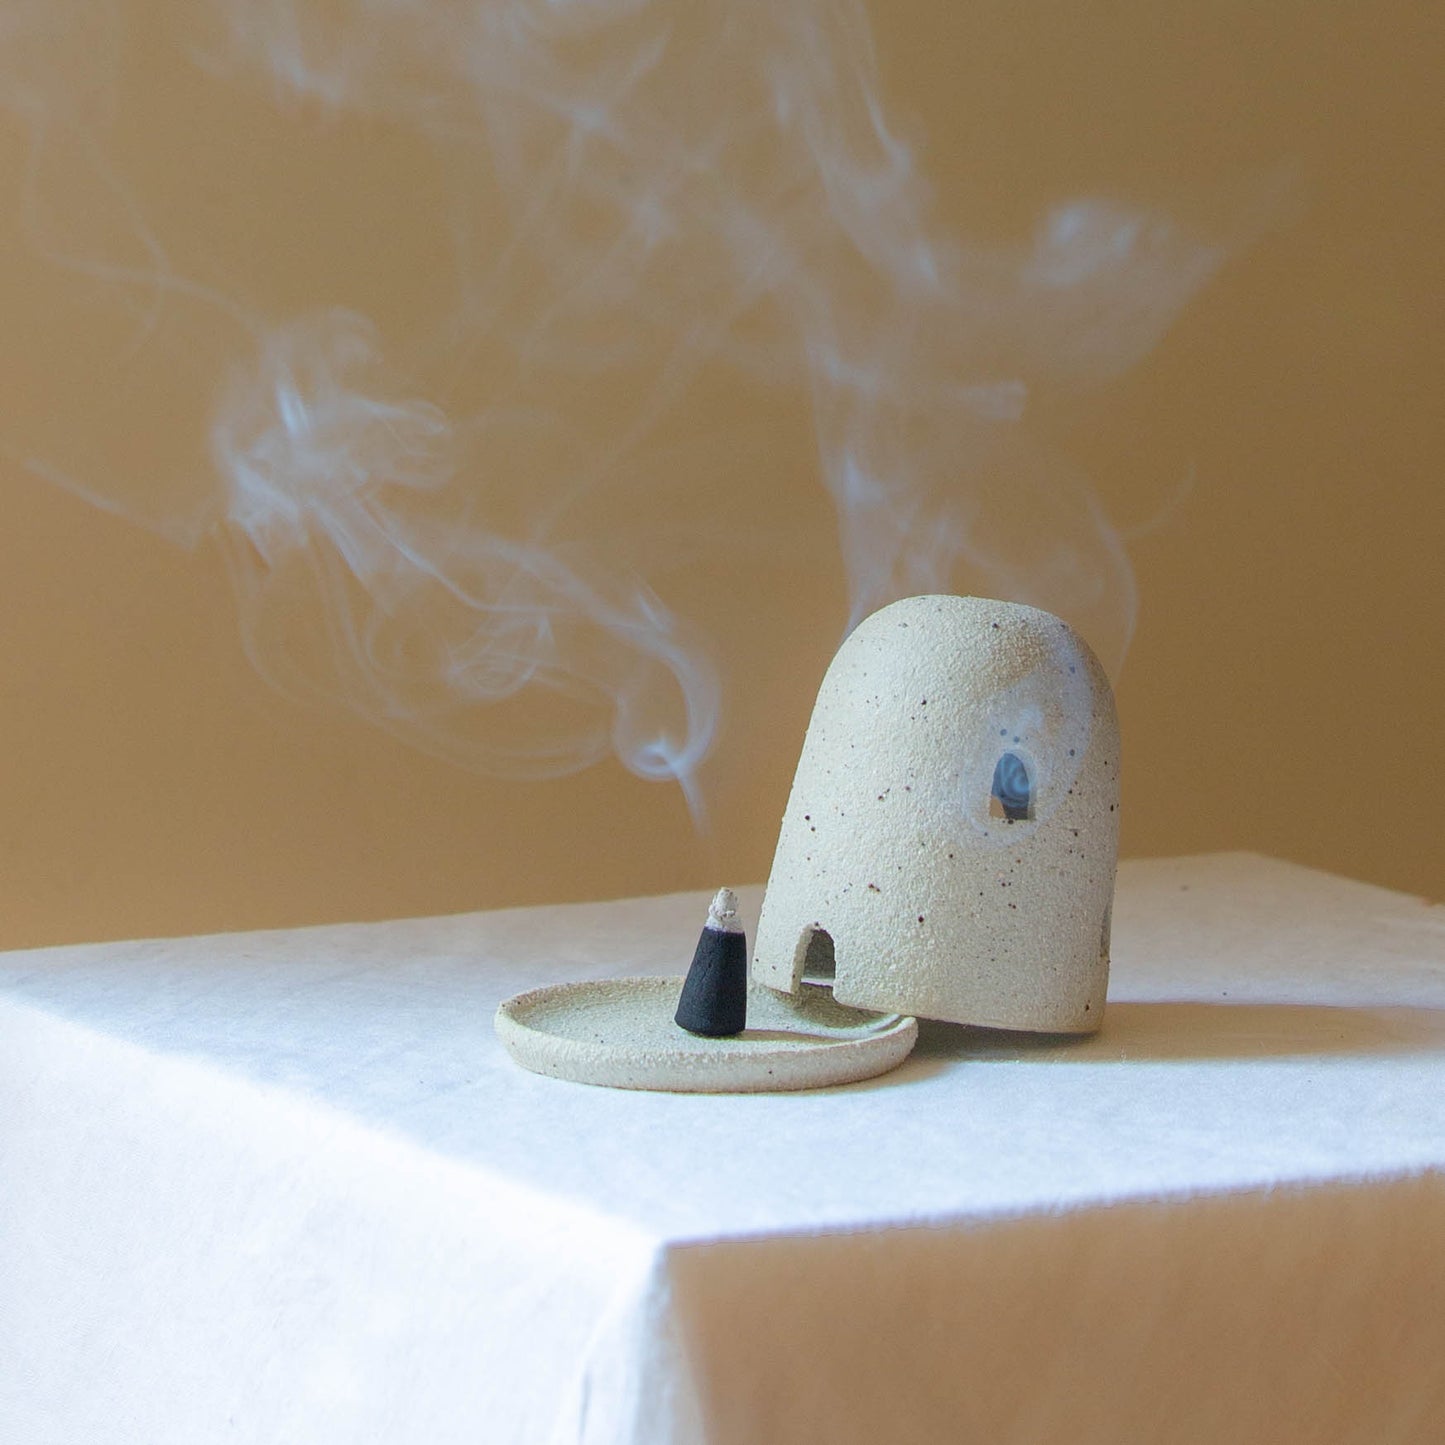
620	1033
894	844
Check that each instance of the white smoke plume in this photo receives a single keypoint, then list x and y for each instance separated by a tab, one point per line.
635	188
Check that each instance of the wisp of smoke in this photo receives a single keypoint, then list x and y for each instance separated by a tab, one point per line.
639	188
344	515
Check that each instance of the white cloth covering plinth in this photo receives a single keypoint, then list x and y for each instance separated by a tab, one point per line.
286	1189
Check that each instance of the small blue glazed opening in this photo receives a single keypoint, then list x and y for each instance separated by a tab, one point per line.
1012	795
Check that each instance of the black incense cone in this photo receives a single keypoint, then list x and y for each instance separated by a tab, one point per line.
714	999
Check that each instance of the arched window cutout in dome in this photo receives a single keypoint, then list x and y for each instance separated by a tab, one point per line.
1012	797
819	965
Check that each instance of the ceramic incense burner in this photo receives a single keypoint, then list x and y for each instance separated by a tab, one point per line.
948	852
950	843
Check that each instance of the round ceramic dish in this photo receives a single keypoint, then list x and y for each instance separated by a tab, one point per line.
620	1032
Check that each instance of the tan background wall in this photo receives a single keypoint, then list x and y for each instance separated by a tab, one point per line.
1285	691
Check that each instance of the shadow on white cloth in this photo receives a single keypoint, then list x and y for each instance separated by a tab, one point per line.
1161	1031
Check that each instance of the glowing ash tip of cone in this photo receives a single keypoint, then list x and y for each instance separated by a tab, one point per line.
722	912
